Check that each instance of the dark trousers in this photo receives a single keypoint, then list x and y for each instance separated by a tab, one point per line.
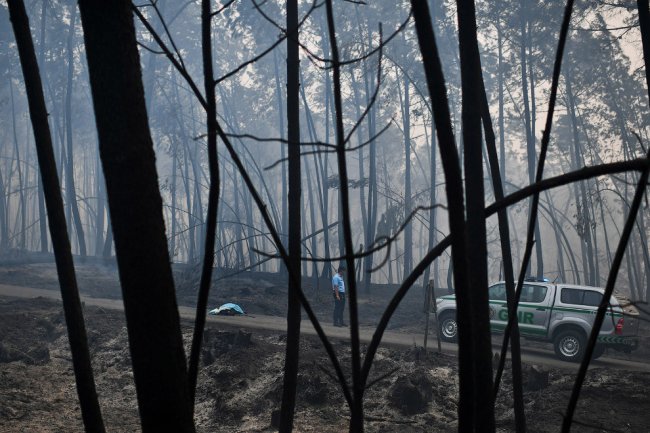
339	306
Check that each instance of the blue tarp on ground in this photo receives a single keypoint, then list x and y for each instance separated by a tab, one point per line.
227	309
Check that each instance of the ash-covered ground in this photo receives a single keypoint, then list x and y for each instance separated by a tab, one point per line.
240	383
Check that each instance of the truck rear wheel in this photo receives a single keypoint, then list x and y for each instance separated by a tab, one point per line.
570	345
448	327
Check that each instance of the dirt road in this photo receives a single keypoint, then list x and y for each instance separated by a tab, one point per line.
275	323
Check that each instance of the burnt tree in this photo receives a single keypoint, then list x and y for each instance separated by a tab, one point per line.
135	206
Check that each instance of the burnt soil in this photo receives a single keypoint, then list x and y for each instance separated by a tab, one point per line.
240	383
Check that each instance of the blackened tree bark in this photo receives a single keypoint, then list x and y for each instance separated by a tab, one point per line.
347	248
90	409
455	194
506	254
213	195
135	206
476	238
293	134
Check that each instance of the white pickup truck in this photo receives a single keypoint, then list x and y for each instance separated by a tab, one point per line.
562	314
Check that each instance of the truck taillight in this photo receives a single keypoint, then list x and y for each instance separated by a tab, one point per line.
619	327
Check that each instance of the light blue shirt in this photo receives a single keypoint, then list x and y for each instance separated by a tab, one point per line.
337	281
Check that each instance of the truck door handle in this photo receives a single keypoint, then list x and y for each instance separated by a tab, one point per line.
540	309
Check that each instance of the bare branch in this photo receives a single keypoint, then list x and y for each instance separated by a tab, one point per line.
251	61
151	50
154	5
331	148
222	8
316	58
178	65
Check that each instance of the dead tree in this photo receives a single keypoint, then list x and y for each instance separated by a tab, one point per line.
90	409
135	206
213	194
292	353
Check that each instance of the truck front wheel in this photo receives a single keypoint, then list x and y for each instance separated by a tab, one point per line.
448	327
570	345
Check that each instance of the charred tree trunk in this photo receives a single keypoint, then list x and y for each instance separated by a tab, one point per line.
476	237
346	248
455	197
292	354
213	197
89	403
135	204
508	268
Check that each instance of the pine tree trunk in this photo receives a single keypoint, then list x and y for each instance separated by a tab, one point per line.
292	353
135	205
86	392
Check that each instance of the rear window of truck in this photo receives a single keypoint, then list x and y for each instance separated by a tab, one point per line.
589	298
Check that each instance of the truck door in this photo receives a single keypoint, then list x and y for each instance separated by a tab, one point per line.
498	307
534	309
581	305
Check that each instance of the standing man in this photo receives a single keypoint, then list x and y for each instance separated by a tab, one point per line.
338	290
